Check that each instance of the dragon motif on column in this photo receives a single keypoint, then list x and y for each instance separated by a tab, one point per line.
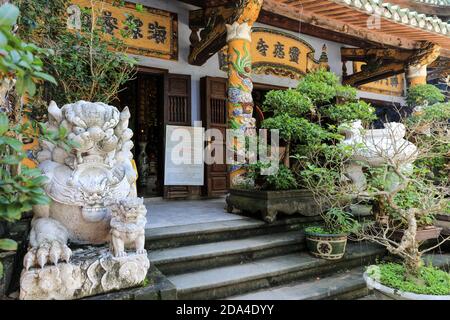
240	85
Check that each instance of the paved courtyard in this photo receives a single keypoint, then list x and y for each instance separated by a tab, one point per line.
168	213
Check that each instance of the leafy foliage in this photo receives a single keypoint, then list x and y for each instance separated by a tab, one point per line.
319	86
350	111
423	94
21	68
308	119
88	64
431	280
338	222
19	59
283	179
289	101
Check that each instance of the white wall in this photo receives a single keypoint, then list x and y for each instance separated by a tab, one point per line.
211	67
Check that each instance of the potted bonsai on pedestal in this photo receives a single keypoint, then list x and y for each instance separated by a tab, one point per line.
306	118
407	198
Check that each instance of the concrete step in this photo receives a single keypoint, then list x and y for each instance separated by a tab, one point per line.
176	236
214	254
339	286
237	279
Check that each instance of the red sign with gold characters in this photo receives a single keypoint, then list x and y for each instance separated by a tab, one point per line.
154	32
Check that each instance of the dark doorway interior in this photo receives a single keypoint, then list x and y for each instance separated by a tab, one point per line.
144	97
259	93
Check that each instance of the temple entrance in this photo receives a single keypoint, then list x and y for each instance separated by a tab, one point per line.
144	97
156	99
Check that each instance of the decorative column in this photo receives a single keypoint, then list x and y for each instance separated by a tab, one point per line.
416	75
416	72
240	86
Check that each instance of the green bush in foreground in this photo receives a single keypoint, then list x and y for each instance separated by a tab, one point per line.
430	280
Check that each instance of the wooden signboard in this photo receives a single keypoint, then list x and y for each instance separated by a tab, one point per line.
278	53
155	33
393	86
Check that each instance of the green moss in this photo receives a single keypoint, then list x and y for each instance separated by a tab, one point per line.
322	230
431	280
146	282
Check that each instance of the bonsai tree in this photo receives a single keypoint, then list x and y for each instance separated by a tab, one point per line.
308	119
423	94
423	122
408	200
309	115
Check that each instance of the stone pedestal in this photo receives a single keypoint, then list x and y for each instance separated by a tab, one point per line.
92	271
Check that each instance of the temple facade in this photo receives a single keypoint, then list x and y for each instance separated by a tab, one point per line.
186	78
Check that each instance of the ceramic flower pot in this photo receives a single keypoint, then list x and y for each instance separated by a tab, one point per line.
326	246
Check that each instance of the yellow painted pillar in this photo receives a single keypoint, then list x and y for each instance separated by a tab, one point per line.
240	86
416	72
416	75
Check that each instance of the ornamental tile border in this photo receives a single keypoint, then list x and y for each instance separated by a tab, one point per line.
400	15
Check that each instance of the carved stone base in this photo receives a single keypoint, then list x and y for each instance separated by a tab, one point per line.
92	271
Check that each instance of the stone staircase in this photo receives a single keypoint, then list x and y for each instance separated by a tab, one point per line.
249	259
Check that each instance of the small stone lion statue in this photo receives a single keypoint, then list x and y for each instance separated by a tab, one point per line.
128	226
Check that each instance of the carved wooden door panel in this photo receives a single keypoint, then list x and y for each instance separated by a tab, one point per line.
177	111
213	92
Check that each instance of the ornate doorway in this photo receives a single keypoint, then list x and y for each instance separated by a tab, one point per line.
144	97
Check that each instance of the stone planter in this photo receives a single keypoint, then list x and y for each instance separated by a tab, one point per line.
270	203
383	292
443	221
326	246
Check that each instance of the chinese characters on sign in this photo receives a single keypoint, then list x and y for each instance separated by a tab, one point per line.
394	85
151	32
278	53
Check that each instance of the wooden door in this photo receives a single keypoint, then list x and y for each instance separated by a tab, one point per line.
213	93
177	111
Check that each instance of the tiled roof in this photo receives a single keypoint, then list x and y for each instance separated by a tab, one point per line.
435	2
401	15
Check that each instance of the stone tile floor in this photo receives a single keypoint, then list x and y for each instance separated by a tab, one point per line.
168	213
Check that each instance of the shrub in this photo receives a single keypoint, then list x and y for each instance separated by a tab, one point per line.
288	101
87	64
20	63
423	94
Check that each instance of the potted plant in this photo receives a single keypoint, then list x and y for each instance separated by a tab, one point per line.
306	118
329	241
322	176
320	159
408	197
